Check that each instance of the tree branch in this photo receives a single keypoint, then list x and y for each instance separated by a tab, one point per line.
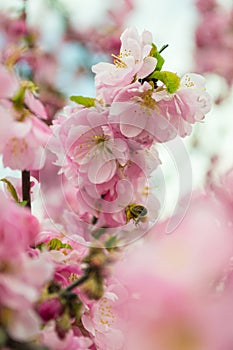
26	187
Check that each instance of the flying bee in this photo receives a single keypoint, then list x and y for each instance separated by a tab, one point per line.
136	212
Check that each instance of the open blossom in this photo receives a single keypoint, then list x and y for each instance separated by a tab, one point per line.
135	112
134	60
105	320
147	115
88	148
24	134
17	225
24	149
187	105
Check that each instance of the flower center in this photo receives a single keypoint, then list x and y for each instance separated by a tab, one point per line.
118	61
107	316
188	82
100	138
147	100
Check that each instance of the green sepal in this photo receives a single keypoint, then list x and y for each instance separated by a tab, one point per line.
18	98
23	203
111	242
11	189
41	246
85	101
170	79
99	232
156	54
54	244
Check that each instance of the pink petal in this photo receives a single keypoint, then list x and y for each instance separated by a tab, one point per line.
99	171
133	121
9	83
149	65
35	105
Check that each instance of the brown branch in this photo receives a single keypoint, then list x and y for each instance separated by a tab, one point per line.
26	187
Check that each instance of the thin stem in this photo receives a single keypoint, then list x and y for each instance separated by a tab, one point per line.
13	344
163	48
76	283
26	187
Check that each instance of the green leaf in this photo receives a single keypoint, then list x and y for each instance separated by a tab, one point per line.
170	79
85	101
160	60
11	189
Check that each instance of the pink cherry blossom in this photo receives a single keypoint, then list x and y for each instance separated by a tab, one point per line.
135	112
158	115
35	105
134	60
187	105
24	149
24	134
17	225
106	319
89	149
21	276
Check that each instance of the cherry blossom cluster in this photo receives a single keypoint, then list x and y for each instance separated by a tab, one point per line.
39	269
64	281
214	39
106	145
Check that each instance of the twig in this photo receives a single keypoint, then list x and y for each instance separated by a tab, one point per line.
26	187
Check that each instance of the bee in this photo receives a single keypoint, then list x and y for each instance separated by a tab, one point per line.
136	212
